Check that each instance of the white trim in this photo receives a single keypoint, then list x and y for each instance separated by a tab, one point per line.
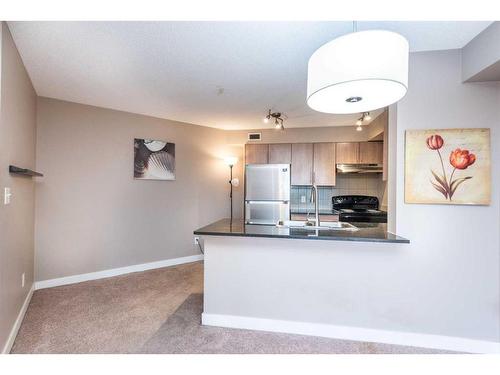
17	324
458	344
115	272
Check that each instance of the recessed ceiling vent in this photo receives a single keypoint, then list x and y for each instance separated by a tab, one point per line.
254	136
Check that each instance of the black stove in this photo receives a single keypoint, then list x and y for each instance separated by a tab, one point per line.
358	208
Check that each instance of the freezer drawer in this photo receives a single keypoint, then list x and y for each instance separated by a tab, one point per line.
266	212
267	182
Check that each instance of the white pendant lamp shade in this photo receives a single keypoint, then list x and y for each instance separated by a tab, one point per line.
358	72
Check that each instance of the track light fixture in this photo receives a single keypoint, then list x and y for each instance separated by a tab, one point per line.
278	119
365	116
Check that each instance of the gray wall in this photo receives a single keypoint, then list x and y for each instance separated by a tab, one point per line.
92	215
452	264
481	56
17	146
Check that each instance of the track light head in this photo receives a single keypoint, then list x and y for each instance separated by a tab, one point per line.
278	119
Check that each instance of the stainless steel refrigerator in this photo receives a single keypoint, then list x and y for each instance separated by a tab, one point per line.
267	193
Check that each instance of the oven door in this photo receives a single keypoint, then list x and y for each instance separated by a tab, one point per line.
266	212
368	218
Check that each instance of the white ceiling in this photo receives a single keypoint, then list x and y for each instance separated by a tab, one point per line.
177	70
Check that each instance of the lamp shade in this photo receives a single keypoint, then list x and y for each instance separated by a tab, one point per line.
358	72
230	160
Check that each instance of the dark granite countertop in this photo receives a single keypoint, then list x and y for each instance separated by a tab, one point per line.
368	232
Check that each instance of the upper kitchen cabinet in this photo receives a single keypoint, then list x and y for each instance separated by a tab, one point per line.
324	164
256	153
280	153
371	152
302	163
360	153
347	153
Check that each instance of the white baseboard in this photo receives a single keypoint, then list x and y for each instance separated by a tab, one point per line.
17	323
353	333
115	272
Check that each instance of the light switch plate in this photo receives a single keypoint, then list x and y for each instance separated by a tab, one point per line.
302	199
6	195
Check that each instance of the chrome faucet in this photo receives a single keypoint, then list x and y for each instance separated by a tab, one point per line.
314	199
316	204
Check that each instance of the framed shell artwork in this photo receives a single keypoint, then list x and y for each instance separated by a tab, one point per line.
154	160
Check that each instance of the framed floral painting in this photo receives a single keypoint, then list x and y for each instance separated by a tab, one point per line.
448	166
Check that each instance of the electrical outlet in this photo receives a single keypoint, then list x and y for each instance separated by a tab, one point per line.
196	240
22	280
302	199
6	195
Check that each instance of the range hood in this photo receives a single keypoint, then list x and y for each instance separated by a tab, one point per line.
359	168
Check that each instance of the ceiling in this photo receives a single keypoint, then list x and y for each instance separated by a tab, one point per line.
219	74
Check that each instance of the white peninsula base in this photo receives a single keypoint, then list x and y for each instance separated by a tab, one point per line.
339	289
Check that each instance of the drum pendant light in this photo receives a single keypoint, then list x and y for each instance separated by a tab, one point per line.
358	72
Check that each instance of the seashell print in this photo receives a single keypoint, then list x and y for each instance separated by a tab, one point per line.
154	146
161	165
154	160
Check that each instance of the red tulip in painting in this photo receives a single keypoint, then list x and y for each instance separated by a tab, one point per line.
459	159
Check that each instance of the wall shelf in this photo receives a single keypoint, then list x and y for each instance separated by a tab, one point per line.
23	172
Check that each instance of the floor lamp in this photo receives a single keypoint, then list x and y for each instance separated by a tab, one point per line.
231	161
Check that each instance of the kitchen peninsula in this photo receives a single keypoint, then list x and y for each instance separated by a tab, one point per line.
298	280
364	232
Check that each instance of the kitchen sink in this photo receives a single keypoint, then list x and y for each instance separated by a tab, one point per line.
327	225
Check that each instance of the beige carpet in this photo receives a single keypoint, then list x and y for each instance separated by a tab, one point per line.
114	315
155	311
182	333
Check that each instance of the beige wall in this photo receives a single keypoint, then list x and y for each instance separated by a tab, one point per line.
378	126
296	135
17	146
92	215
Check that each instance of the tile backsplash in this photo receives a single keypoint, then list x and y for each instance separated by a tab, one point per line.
347	184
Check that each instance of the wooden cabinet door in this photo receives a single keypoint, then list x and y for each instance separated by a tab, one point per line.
324	164
371	152
280	153
256	153
302	163
347	153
